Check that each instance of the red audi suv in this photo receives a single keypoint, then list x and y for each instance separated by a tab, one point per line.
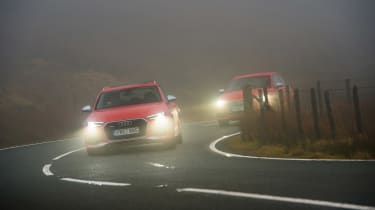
132	114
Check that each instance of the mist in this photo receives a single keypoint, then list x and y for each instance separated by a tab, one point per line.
193	47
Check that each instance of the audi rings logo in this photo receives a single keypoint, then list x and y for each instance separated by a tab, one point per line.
124	123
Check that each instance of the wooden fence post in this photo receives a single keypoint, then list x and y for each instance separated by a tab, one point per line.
357	110
247	101
329	114
315	113
320	99
287	91
266	102
261	102
347	90
297	106
282	111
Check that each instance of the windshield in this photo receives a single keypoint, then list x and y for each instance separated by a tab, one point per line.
255	82
129	96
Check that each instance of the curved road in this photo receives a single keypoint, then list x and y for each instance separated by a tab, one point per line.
188	177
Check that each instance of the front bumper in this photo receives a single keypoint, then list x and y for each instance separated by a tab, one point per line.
152	132
139	141
232	110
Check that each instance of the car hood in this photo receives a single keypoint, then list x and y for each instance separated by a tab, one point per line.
126	112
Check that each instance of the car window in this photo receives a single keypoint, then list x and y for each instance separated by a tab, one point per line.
130	96
278	81
255	82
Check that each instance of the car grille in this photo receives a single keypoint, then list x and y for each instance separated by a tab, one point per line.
112	126
236	106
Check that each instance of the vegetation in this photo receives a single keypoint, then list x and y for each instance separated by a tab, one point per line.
43	103
263	132
349	148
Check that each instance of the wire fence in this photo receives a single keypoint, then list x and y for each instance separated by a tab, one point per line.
329	110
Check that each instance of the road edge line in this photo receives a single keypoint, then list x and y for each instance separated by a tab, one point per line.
277	198
34	144
213	148
98	183
67	153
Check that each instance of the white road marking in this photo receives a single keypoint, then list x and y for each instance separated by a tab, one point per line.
278	198
213	146
68	153
98	183
28	145
47	170
158	165
227	154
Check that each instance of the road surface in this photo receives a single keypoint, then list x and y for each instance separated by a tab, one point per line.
58	175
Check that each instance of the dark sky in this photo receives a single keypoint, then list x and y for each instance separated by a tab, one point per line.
195	45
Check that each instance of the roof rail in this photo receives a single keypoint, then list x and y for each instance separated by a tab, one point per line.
146	82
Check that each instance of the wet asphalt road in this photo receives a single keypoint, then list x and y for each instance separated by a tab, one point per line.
154	176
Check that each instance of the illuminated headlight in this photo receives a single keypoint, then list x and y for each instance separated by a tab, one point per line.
220	103
92	128
157	116
160	123
94	124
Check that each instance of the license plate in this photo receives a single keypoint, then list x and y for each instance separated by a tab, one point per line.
237	108
125	131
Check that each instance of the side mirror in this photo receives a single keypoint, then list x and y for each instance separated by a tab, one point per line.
221	91
279	84
86	108
171	98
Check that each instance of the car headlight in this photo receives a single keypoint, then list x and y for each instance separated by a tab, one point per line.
159	115
159	119
160	123
92	128
94	124
220	103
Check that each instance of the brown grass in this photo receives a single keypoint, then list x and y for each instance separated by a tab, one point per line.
322	149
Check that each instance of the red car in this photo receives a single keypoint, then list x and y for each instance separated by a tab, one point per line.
230	103
133	114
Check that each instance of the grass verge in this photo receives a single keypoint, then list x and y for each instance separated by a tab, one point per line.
359	148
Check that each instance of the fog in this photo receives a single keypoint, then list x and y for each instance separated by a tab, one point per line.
191	47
